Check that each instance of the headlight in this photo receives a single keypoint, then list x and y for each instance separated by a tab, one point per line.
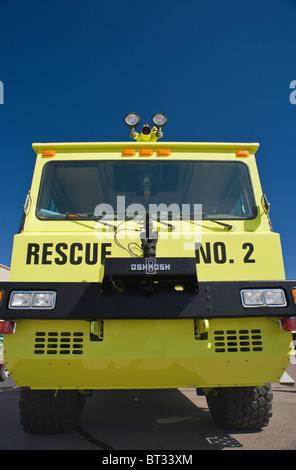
159	120
43	299
263	298
252	298
132	119
275	297
32	299
21	300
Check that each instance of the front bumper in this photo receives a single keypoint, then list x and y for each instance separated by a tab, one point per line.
94	301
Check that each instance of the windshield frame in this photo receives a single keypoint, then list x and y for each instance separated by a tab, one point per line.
205	217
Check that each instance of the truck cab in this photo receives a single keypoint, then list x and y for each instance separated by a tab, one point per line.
146	264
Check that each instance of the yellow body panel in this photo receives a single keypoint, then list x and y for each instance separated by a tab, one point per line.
222	256
146	353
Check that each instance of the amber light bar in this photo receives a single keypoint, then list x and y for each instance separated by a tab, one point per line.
146	153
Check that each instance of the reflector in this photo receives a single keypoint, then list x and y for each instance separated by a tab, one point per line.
6	327
288	324
294	295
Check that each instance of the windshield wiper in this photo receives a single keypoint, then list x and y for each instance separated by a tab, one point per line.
226	226
142	218
72	216
75	216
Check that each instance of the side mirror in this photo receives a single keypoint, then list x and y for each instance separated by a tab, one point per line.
265	204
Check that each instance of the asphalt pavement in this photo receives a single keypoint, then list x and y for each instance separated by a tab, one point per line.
152	420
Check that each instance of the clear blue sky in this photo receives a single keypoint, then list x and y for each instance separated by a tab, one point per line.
220	70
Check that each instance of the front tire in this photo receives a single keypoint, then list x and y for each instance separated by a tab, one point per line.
241	407
48	412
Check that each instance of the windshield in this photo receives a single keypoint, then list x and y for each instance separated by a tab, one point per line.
78	187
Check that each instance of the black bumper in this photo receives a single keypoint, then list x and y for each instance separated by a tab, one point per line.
92	301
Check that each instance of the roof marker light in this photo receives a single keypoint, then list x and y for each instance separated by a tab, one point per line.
146	153
163	153
129	153
242	153
49	153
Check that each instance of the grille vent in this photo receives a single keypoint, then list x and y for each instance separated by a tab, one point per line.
238	341
52	342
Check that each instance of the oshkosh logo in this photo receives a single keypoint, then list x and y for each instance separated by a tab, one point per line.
150	266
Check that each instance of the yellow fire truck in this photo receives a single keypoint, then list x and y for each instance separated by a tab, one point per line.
146	264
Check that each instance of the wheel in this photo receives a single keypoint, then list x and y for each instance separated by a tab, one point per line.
4	374
48	412
241	407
